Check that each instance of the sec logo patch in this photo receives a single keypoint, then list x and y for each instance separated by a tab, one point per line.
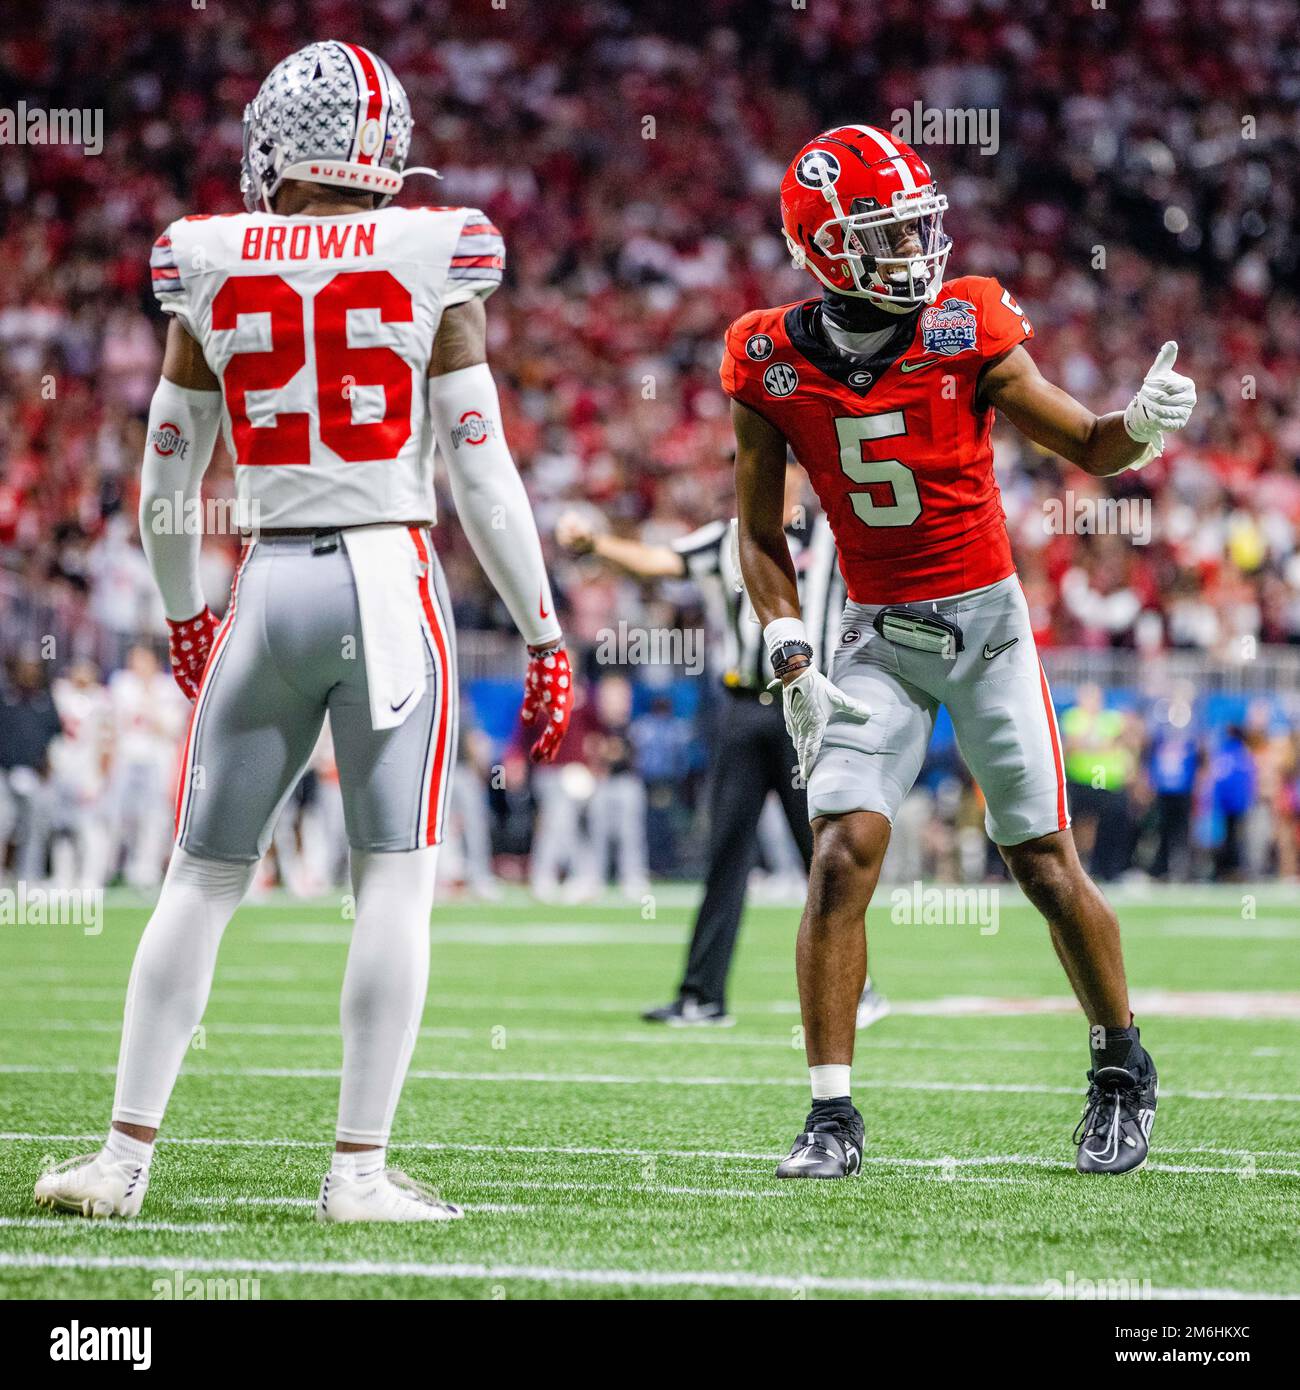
780	379
759	347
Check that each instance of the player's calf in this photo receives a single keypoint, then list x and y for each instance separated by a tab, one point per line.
1114	1134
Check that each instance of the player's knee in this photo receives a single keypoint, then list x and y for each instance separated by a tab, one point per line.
1051	876
847	854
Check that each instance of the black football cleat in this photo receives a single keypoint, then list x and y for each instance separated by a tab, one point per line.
1114	1134
829	1147
690	1013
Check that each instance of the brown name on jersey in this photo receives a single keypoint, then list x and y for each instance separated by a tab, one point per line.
320	237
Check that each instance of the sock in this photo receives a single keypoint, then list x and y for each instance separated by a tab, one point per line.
1116	1047
383	986
359	1164
123	1149
170	980
830	1082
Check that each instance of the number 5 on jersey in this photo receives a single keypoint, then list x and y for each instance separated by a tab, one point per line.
853	431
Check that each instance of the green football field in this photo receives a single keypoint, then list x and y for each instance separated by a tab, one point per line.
599	1157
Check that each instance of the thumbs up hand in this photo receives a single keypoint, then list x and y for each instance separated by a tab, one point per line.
1163	402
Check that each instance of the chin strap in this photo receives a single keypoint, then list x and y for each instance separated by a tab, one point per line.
406	174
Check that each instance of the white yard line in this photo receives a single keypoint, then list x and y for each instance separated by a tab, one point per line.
519	934
591	1151
286	1203
631	1188
614	1079
1238	1006
69	1221
703	1039
554	1274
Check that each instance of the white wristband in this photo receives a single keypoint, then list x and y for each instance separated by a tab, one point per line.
782	630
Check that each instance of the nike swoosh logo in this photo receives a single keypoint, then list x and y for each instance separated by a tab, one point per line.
400	703
541	605
991	652
918	366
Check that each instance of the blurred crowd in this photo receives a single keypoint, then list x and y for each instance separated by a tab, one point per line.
88	771
1143	188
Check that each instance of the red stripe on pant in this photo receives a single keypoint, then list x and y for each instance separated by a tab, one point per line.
433	829
183	780
1061	819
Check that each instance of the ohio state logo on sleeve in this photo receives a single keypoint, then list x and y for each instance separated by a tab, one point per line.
472	429
168	439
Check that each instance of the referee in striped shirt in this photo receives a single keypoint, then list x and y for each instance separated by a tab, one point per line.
750	749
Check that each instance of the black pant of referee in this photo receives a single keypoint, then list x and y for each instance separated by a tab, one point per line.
752	755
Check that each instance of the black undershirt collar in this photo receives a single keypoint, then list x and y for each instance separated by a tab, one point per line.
803	325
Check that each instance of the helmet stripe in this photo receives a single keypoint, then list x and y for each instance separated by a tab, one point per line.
373	92
892	151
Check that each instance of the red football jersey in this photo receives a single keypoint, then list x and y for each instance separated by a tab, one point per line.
897	450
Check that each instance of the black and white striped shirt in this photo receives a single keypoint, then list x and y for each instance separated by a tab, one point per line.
712	554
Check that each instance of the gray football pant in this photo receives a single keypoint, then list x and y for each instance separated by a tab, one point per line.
289	652
996	692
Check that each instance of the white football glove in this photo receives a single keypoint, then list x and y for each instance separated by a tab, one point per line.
1164	402
809	701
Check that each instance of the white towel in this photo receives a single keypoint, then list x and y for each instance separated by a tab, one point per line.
387	572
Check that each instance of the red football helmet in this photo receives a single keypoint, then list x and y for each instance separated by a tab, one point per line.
863	213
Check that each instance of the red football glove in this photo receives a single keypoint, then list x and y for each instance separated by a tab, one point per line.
190	645
548	695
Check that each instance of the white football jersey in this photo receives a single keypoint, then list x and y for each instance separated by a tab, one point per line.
320	330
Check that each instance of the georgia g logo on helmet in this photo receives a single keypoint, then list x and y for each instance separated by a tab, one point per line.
817	169
863	215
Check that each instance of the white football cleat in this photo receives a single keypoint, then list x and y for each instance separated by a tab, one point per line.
872	1007
385	1195
95	1185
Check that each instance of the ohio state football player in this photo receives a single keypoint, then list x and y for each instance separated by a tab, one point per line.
885	387
335	341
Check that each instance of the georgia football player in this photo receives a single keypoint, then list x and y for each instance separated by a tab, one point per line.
885	387
334	340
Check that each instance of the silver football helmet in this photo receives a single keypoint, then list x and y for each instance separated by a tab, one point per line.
330	113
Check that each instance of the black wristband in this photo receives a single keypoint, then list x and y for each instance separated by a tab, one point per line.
786	652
